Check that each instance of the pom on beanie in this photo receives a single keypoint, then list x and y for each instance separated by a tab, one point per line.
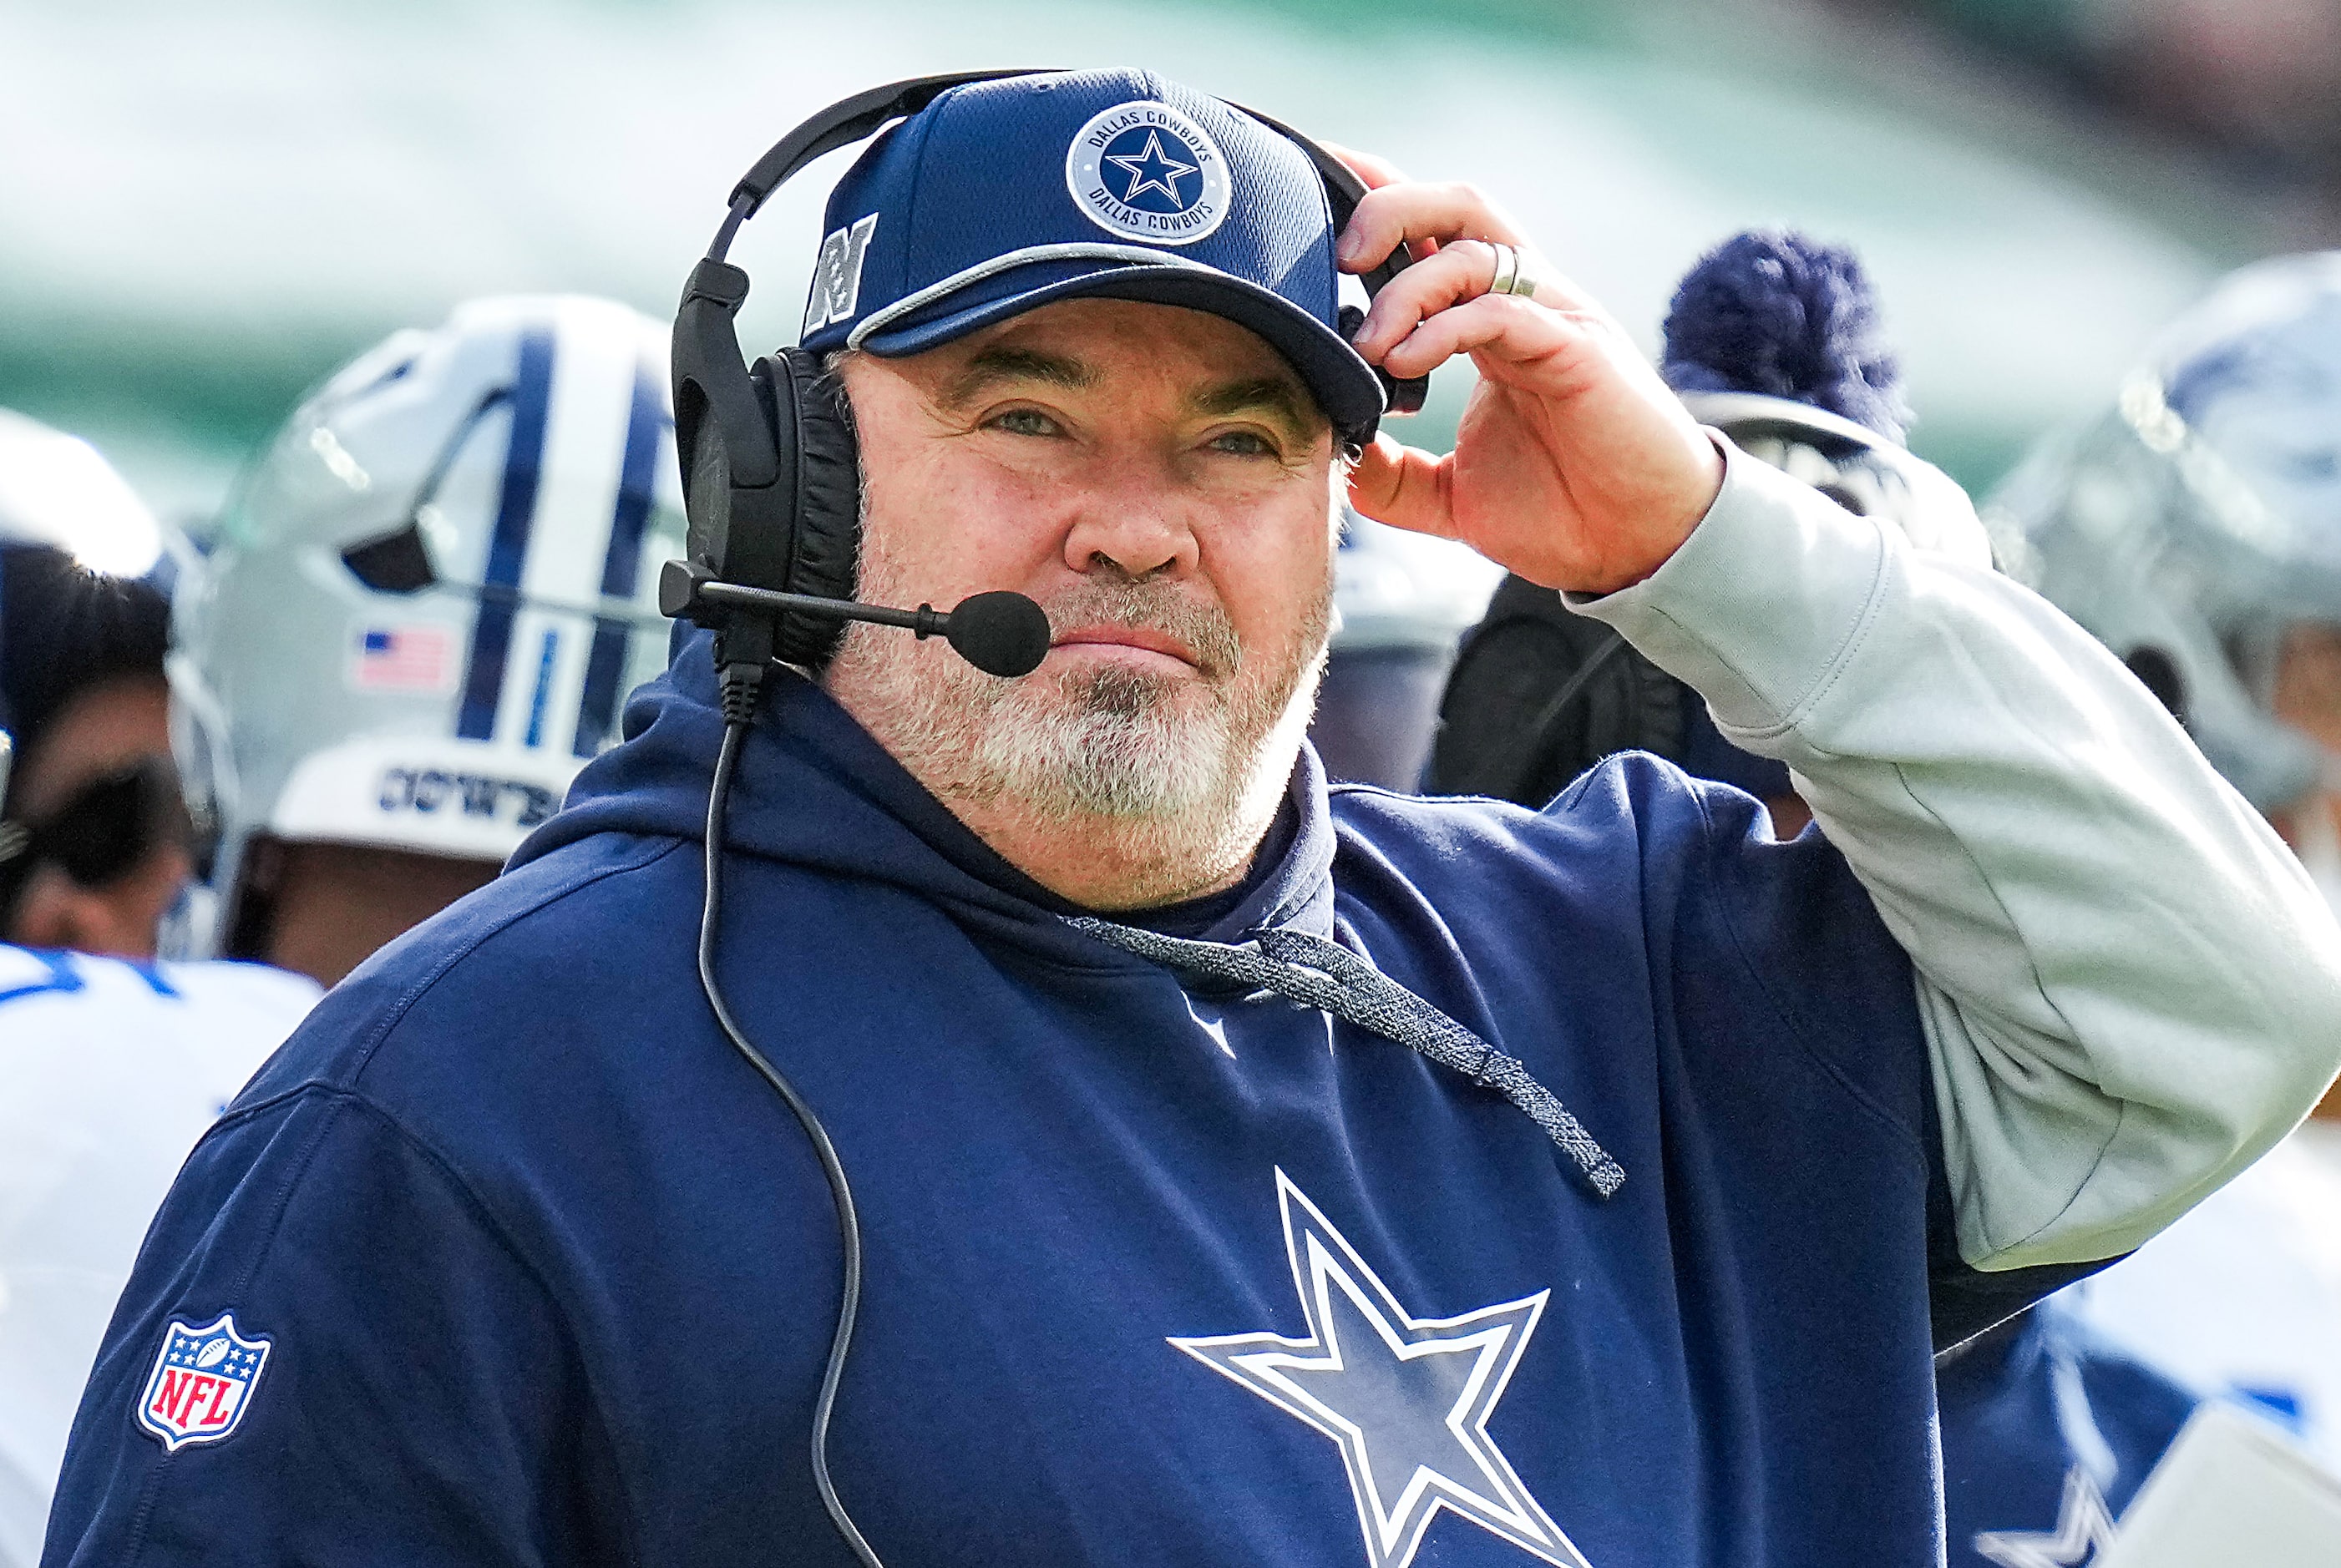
1772	311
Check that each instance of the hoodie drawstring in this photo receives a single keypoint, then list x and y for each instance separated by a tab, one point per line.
1316	973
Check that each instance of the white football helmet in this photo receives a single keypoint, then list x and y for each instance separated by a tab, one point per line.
55	490
2188	527
429	595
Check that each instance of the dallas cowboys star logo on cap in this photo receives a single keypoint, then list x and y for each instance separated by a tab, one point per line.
1151	170
1407	1399
1144	171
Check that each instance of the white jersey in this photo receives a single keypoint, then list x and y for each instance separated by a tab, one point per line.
2244	1295
113	1071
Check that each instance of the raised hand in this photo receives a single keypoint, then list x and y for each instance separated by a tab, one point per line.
1574	466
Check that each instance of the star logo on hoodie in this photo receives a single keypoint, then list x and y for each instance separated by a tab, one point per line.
2085	1527
1406	1399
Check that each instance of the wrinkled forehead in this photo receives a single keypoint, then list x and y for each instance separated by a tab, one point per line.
1110	348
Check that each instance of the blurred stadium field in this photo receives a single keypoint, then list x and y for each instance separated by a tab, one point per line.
206	207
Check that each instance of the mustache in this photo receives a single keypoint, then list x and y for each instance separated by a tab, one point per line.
1200	626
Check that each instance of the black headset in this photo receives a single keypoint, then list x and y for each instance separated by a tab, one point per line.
772	473
772	492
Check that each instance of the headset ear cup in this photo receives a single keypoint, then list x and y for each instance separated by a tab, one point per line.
827	548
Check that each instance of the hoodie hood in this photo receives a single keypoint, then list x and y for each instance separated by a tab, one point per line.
815	789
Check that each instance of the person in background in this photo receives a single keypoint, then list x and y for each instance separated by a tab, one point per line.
93	850
114	1068
336	651
2195	529
2048	1428
424	604
114	1065
1400	602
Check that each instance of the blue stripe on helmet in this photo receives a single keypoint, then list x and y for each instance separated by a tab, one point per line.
605	666
545	668
491	631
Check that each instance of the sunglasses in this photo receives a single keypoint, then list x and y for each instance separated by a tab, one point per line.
101	832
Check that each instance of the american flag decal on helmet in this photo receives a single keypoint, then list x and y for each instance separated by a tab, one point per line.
403	659
203	1382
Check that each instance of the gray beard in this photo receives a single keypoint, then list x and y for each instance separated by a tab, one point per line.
1170	771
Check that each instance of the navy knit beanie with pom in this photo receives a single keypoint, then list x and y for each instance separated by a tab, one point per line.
1775	312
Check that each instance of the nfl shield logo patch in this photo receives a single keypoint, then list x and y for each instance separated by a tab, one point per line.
203	1382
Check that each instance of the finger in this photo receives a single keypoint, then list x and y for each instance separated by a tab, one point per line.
1403	487
1376	171
1461	272
1502	324
1457	275
1411	210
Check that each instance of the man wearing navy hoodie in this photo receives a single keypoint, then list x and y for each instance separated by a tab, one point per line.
1249	1172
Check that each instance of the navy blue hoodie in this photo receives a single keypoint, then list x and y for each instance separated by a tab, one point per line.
2049	1430
511	1260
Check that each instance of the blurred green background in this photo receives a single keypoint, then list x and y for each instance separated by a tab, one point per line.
203	209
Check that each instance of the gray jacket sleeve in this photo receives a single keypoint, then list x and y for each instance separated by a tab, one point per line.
2130	987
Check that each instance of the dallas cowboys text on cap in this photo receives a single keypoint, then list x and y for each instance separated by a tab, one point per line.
1118	170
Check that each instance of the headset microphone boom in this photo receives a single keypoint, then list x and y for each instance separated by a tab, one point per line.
1000	633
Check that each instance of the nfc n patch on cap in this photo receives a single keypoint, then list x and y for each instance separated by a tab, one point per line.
1146	171
837	275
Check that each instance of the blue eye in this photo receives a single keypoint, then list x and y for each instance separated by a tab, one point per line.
1026	422
1243	443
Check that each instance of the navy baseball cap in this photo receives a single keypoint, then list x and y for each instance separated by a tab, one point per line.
1000	196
